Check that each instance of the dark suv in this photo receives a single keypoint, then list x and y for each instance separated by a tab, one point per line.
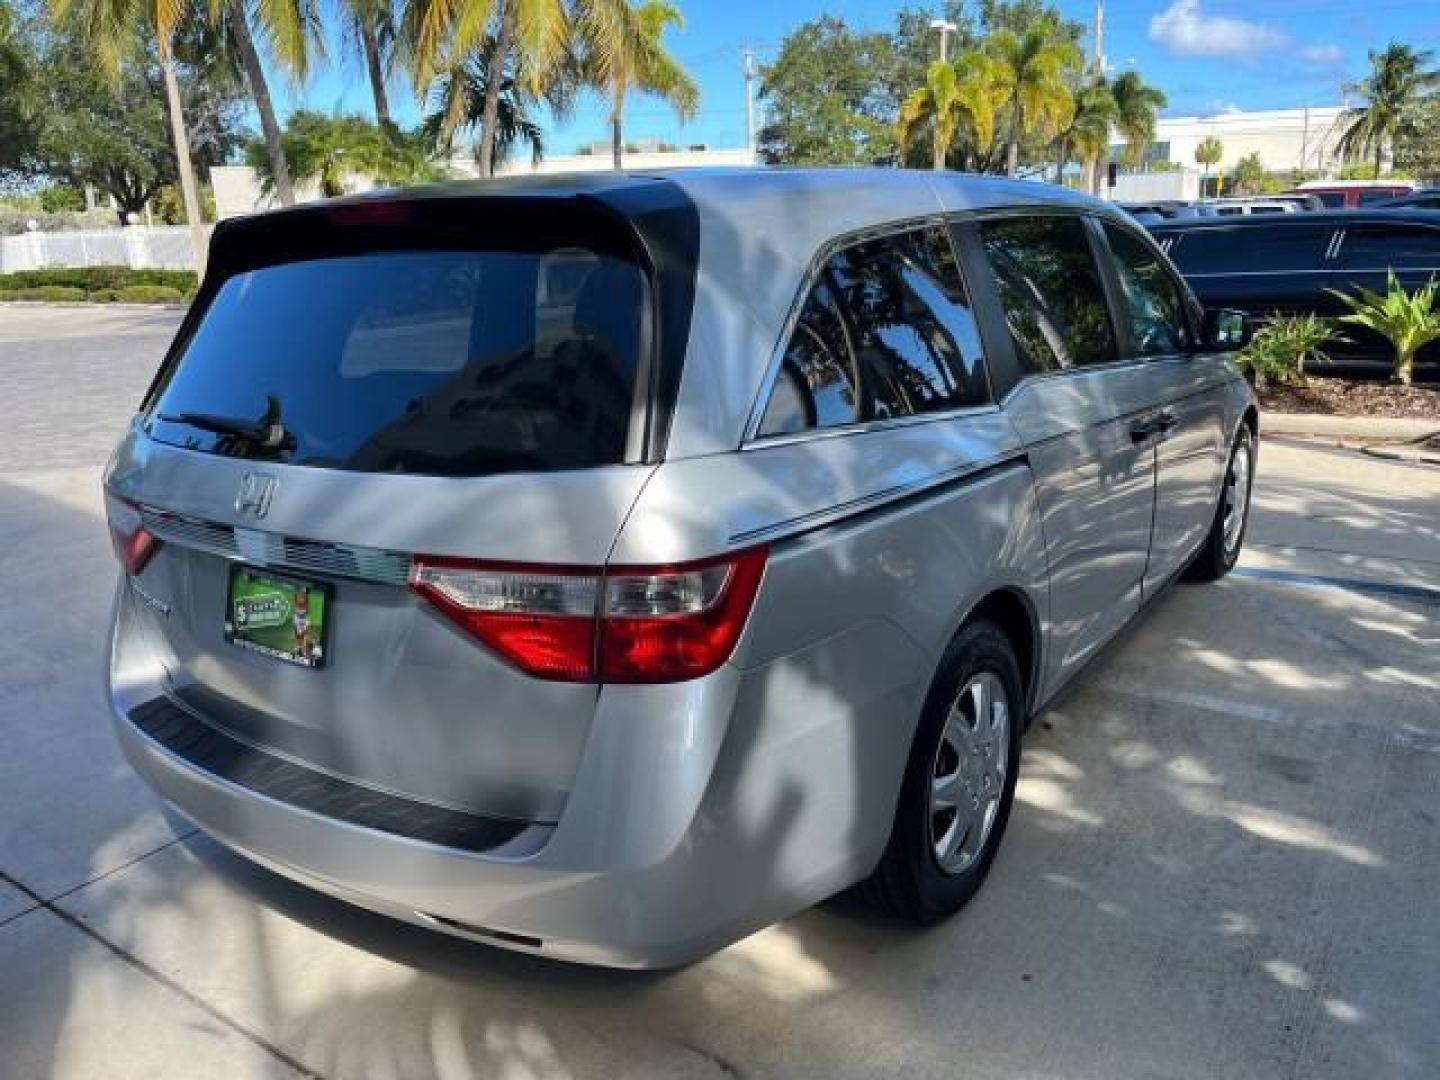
1286	263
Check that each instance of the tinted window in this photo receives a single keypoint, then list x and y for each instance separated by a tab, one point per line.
1400	246
1154	301
1273	247
448	363
887	331
1333	199
1373	196
1051	292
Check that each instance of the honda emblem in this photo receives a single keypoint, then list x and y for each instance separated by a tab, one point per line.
256	491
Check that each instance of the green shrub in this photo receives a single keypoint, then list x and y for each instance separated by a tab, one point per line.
149	294
1283	345
91	278
1409	321
103	296
48	293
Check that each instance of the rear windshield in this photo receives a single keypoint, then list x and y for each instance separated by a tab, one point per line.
447	363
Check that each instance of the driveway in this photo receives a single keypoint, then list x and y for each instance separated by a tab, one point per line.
1224	859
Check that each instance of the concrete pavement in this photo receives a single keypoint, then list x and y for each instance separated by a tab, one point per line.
1224	860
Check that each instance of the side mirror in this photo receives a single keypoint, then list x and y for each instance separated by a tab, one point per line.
1226	329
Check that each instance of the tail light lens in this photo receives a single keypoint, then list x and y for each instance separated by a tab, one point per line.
134	544
630	624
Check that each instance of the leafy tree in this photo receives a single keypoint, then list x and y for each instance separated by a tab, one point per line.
632	56
1400	76
1417	146
828	98
1036	63
1249	176
109	129
18	119
1208	152
326	150
111	28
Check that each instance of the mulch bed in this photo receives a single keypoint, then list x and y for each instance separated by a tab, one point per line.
1341	397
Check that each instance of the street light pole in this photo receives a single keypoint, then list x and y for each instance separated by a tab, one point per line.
946	28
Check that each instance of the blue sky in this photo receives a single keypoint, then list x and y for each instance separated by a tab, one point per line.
1207	55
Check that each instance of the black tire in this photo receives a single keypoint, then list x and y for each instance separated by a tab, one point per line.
910	881
1217	555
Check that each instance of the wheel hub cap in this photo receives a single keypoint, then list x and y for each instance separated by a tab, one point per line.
969	772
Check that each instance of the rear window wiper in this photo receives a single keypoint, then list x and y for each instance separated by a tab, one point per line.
267	434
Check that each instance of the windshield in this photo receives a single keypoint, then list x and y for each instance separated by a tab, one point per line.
437	362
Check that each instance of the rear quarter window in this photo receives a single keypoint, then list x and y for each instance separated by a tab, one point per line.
449	363
1274	247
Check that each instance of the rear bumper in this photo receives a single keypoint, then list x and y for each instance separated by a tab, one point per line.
701	811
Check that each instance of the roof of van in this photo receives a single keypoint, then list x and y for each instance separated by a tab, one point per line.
802	203
1399	215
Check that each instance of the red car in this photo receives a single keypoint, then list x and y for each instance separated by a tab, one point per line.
1353	194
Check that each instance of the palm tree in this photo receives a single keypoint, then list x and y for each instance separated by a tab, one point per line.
1399	76
1088	135
1035	65
370	25
968	93
623	52
290	29
1208	152
458	105
110	26
1137	105
531	35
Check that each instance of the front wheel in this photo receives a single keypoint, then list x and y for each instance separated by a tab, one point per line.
959	783
1232	514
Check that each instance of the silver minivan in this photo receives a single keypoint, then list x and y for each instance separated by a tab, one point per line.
609	566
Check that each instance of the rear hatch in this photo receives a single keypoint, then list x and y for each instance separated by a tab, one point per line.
361	390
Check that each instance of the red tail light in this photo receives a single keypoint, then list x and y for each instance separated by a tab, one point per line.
134	544
631	624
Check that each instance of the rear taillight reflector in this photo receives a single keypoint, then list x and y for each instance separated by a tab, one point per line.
134	544
633	624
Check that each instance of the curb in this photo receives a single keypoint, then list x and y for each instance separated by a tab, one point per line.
1368	428
91	305
1414	457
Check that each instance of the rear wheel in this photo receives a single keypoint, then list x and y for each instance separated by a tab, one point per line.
959	783
1227	532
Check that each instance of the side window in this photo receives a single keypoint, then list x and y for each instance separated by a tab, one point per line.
1271	247
887	331
1050	289
1154	301
1333	200
1398	246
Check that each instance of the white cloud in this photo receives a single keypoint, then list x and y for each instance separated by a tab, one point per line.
1183	28
1322	54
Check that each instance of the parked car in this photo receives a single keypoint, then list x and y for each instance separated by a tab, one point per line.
606	567
1241	205
1160	210
1288	266
1353	194
1424	199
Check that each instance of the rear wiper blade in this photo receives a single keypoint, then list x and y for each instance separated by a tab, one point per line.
271	436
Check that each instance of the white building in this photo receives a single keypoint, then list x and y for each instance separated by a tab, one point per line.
237	189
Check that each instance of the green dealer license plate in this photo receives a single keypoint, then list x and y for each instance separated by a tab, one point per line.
283	618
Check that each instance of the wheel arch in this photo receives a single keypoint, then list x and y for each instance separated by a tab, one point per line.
1009	608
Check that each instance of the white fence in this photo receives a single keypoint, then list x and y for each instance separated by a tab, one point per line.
166	246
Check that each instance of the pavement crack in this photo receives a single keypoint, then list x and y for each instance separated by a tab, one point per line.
127	957
726	1067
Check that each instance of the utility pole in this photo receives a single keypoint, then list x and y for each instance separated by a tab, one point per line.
1097	58
945	28
747	54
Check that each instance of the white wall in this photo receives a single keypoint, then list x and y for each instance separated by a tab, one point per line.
1153	187
1284	138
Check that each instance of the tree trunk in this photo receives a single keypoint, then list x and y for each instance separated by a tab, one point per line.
494	75
260	91
1012	146
617	144
1404	367
1379	155
189	195
376	71
937	156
